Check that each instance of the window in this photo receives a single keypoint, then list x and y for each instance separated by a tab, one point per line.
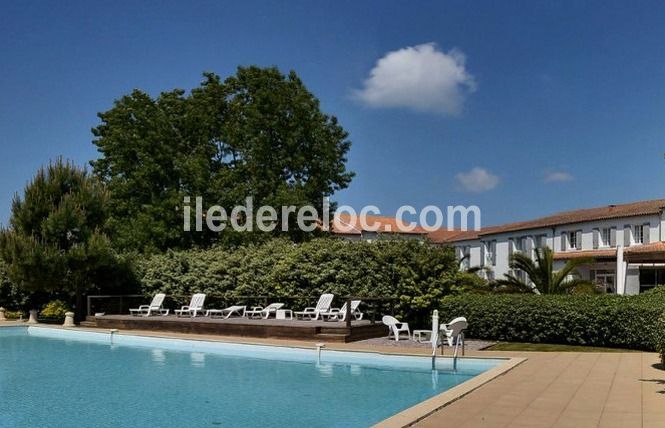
572	240
541	241
466	256
519	244
519	274
651	277
638	234
605	237
490	253
604	280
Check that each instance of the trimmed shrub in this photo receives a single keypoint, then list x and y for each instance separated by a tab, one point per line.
55	309
14	315
660	340
417	273
594	320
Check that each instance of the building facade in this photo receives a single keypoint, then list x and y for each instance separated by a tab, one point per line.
626	242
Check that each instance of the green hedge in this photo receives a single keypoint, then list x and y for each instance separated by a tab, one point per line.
660	340
417	273
595	320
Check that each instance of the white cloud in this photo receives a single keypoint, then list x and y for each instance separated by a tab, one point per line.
477	180
557	176
420	78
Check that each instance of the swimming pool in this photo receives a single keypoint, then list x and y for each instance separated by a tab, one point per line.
56	378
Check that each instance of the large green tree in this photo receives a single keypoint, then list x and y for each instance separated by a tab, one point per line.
55	242
542	278
258	133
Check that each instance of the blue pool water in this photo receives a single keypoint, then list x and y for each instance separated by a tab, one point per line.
59	378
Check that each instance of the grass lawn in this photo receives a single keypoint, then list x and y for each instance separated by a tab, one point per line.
546	347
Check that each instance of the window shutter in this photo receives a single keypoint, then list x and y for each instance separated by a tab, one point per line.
564	238
613	237
511	246
596	238
645	233
578	238
483	252
529	246
626	235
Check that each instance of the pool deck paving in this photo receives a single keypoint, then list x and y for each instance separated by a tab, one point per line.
547	389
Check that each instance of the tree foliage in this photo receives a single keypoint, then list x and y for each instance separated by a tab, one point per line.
56	241
258	133
416	273
11	296
542	278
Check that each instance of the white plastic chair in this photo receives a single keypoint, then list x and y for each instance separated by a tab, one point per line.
323	305
340	314
453	333
154	307
195	306
261	312
395	327
227	312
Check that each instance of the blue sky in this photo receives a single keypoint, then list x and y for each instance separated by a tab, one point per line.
521	108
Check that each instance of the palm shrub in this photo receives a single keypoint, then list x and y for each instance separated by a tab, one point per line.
542	278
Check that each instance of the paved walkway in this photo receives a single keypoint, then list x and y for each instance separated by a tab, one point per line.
565	390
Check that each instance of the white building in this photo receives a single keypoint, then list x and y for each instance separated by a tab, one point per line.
627	243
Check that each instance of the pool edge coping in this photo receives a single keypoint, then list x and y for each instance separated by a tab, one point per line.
239	340
420	411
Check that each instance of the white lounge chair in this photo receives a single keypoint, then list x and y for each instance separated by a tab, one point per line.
226	312
395	328
261	312
453	333
155	307
313	313
195	306
340	314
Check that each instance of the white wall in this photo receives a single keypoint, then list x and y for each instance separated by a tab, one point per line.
632	280
553	240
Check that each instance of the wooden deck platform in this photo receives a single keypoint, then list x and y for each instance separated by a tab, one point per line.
325	331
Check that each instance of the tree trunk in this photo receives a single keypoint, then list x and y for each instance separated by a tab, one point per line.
79	313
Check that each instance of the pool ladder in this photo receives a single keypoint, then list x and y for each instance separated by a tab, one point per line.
436	341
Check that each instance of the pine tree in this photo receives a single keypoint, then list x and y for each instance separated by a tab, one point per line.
55	241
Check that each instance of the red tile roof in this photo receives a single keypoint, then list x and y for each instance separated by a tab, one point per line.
569	217
344	224
594	254
443	236
654	247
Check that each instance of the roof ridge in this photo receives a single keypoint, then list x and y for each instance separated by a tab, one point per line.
629	209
